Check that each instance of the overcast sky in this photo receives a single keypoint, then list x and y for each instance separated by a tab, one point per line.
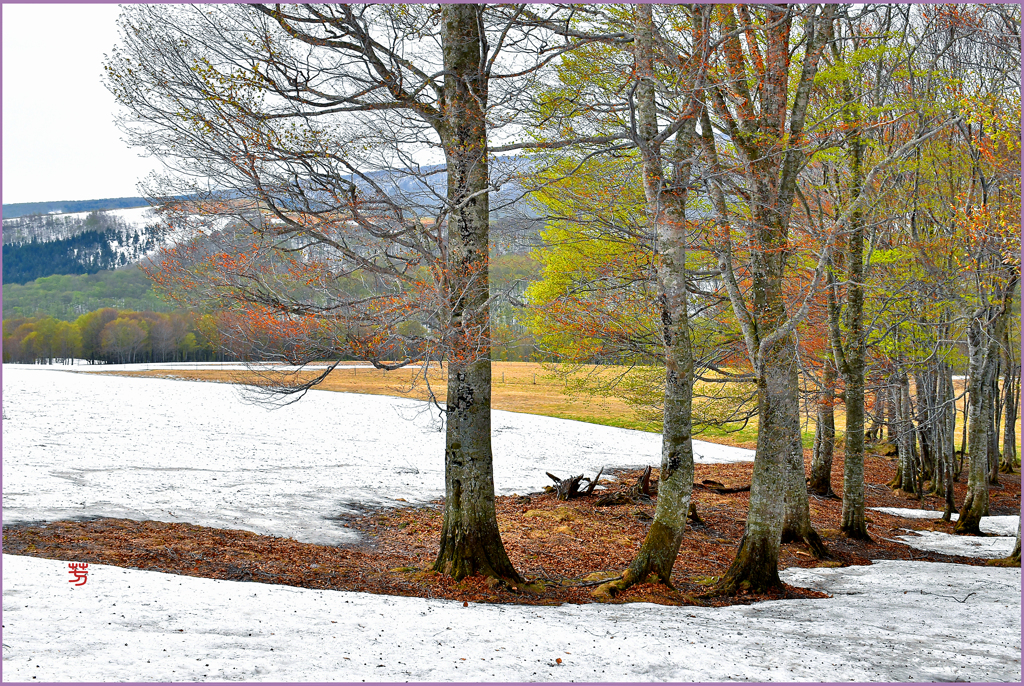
59	140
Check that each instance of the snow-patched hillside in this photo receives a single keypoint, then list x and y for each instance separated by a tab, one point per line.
79	242
45	228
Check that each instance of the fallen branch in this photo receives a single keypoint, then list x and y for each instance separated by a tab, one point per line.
721	488
950	596
638	493
596	582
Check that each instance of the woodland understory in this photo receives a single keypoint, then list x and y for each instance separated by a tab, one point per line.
563	549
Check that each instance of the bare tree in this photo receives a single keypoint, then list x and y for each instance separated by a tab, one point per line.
346	149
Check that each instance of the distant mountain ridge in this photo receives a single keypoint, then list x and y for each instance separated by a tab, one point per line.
21	209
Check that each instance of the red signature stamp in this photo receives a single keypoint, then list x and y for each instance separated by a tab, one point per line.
80	572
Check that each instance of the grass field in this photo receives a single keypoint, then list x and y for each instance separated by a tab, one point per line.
529	387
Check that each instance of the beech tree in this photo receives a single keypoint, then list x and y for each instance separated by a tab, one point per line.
349	146
869	70
123	338
749	96
638	126
666	208
752	185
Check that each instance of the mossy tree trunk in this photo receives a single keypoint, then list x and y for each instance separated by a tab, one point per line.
756	566
470	541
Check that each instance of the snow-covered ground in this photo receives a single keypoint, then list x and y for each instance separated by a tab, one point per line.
1002	531
892	621
137	217
84	366
80	445
83	445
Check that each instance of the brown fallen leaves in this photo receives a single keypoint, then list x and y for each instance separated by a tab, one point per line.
564	548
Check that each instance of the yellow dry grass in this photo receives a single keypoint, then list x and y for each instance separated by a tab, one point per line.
527	387
516	387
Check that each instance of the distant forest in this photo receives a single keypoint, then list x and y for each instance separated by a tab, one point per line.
66	297
113	336
20	209
86	253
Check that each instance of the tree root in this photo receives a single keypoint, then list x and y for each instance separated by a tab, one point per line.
608	590
755	570
856	533
810	538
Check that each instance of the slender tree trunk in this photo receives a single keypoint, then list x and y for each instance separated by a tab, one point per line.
470	541
666	207
1011	400
963	433
923	384
905	435
949	448
995	419
984	333
824	434
854	524
797	523
874	433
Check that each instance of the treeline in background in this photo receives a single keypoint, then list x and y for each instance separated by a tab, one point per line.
111	336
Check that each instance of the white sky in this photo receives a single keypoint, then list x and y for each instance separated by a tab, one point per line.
59	140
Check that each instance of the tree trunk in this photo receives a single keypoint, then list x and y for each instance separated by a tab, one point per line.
666	207
854	523
995	419
874	433
756	565
984	333
470	541
1011	400
778	492
905	435
946	422
924	400
851	357
824	434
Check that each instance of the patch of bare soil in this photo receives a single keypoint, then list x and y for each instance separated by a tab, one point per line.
563	548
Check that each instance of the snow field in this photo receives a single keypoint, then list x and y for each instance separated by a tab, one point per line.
82	445
1001	529
147	626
